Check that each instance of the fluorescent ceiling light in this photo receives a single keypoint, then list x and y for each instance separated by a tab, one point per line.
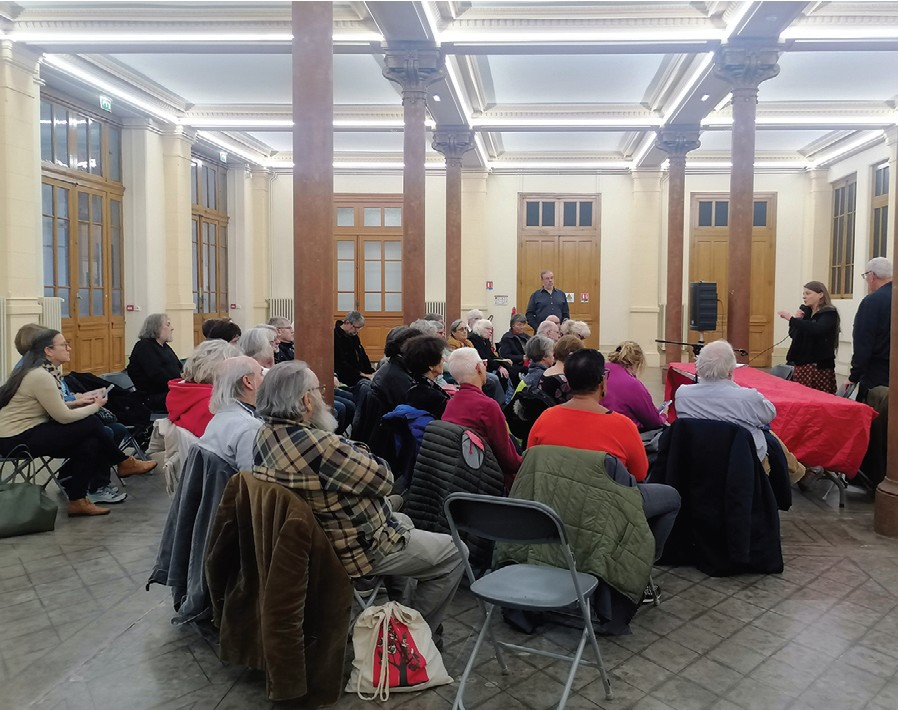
839	32
770	164
643	150
543	36
737	17
690	84
799	120
67	37
560	123
480	147
76	71
231	147
846	148
236	123
559	165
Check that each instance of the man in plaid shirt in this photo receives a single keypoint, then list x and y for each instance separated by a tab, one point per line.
347	487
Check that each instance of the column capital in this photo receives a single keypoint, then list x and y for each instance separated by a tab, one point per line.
677	141
413	66
453	142
745	65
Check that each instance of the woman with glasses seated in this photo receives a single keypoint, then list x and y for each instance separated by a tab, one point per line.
458	335
34	415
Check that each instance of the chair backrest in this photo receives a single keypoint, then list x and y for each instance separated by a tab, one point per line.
119	379
504	519
784	371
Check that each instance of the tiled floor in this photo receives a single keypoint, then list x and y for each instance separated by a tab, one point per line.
78	630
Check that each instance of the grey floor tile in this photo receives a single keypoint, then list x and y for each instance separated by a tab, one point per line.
751	694
711	675
736	656
669	654
683	694
641	673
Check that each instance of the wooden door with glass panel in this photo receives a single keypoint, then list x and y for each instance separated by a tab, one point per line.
708	261
368	265
561	233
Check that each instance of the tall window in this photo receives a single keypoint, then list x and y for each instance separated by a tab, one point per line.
208	188
880	208
841	279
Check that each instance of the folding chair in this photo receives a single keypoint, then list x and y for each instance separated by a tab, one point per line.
21	461
365	591
523	586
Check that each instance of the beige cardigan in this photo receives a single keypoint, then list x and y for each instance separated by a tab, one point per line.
38	401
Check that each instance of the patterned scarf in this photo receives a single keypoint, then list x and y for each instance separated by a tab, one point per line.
57	374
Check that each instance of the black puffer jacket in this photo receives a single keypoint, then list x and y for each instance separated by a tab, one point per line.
452	458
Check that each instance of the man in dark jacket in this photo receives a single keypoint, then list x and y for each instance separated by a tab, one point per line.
351	362
285	350
872	324
548	301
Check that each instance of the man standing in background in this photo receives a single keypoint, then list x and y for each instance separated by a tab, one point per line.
548	301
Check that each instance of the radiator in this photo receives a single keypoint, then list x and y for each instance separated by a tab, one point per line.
51	312
5	341
280	308
436	307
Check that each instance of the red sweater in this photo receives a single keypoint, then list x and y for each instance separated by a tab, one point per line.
471	408
188	405
612	433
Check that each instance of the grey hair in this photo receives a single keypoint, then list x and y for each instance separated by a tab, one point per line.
575	327
201	366
152	325
280	396
227	387
256	342
278	322
542	274
463	363
426	327
546	326
354	318
517	318
538	348
480	327
716	361
475	314
881	267
455	325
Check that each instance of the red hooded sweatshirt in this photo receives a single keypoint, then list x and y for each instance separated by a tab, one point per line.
188	405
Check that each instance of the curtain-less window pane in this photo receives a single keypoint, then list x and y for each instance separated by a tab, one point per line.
62	251
115	153
96	234
345	302
345	249
372	276
222	194
95	148
346	276
372	250
372	218
48	251
548	214
704	213
392	216
532	219
372	301
721	213
570	214
211	194
61	136
213	259
46	131
586	214
392	276
759	218
393	251
193	177
81	143
392	301
345	217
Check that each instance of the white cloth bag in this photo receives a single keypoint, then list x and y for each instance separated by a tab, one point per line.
412	661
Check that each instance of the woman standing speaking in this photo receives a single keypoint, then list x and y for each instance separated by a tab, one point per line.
814	329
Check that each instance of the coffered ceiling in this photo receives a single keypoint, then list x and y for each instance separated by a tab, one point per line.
578	86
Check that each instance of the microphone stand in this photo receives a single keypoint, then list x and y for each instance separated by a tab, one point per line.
697	347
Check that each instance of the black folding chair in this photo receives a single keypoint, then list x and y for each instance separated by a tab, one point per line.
523	586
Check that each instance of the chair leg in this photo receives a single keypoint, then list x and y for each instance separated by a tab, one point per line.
655	599
587	616
459	703
500	654
575	665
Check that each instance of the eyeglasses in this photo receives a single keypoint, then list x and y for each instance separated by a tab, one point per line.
62	345
286	327
320	388
864	275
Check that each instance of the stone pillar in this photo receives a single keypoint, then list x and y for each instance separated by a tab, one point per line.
453	142
413	67
676	142
178	214
645	264
260	231
313	185
744	66
21	277
885	509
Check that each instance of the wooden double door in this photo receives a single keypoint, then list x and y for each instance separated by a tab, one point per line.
561	233
709	262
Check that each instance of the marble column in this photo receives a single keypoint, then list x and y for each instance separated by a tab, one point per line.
453	142
313	184
21	276
413	67
676	142
885	509
744	66
178	213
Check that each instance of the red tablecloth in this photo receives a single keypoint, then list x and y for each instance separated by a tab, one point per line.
819	428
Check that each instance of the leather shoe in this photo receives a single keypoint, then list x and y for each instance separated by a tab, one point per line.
82	506
134	467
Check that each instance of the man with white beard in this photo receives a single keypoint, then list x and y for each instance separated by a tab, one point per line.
347	487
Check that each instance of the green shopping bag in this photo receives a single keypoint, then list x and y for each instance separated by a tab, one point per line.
25	507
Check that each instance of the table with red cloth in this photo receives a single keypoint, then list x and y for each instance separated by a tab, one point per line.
820	429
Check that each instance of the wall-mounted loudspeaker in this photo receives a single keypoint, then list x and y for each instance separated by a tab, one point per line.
702	306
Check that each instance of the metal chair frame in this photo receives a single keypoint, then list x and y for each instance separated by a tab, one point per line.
530	523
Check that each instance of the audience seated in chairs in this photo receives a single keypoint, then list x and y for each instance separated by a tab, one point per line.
286	337
539	352
474	315
231	432
153	363
221	329
33	414
472	409
574	327
625	394
259	344
188	398
717	397
583	423
458	335
554	382
352	365
482	337
511	347
392	378
423	358
550	328
347	489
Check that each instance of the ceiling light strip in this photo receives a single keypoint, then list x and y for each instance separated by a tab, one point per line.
231	147
694	80
644	123
526	36
67	37
847	148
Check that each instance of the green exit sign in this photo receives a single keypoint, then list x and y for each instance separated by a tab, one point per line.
106	103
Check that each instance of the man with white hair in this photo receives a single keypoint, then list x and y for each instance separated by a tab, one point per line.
550	329
547	301
872	324
286	336
231	432
474	315
472	409
716	396
347	487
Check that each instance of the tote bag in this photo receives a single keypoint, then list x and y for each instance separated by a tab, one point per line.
24	506
394	652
